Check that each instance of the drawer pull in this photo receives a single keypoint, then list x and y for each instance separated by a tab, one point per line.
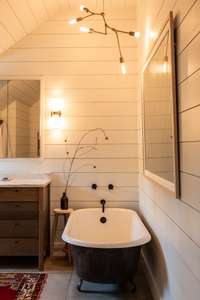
16	242
16	191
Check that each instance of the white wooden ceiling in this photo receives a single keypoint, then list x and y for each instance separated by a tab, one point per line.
98	4
21	17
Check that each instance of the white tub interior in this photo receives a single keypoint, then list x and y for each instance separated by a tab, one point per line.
123	228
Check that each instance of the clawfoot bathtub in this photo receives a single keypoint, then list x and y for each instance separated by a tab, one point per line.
105	252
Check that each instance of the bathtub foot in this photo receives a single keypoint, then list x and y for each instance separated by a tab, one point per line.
80	285
81	290
132	286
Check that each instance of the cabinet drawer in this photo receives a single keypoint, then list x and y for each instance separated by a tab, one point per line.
18	194
18	210
17	247
18	228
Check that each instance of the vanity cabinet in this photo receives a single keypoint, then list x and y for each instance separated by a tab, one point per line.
25	222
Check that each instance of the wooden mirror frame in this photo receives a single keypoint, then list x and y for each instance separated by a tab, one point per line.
41	119
173	187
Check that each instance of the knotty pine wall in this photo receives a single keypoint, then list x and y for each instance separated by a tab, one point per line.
173	258
83	70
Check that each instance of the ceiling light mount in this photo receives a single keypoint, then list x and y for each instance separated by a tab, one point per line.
107	27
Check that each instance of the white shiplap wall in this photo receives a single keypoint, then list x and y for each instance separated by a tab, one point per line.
173	257
84	71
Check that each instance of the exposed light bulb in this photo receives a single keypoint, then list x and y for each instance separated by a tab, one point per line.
123	66
84	29
137	34
72	21
82	8
55	122
165	65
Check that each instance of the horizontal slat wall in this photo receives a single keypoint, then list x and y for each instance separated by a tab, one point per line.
87	54
84	71
174	223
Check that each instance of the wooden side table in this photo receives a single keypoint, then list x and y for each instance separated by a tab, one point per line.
57	213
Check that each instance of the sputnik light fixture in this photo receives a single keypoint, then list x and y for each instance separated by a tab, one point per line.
107	27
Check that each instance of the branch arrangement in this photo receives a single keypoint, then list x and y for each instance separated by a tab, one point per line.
80	151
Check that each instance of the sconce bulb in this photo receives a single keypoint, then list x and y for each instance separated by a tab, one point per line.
137	34
84	29
72	21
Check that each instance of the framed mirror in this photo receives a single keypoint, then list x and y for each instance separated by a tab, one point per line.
160	112
20	118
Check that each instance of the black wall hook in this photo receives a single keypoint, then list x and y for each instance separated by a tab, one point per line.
94	186
111	186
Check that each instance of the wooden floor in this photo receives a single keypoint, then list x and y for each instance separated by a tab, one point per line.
62	281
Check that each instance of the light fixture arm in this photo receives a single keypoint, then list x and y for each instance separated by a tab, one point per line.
118	43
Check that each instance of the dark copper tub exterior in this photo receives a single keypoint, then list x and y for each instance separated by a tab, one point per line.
116	265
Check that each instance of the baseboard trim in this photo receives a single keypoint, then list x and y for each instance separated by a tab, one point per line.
150	279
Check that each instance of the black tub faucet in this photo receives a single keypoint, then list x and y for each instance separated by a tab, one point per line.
103	202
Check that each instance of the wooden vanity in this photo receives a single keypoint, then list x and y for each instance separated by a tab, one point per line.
25	220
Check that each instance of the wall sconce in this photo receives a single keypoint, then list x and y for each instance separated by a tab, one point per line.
56	114
55	120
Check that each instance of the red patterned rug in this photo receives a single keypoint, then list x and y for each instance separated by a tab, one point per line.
21	286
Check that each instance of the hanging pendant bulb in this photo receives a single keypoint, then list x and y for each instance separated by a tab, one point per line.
72	21
165	65
123	66
82	8
84	29
137	34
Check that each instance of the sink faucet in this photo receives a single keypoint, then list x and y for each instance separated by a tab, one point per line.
103	202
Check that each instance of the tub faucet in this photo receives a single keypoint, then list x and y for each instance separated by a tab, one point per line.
103	202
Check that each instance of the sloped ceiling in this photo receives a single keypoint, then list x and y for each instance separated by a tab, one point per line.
97	4
20	17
